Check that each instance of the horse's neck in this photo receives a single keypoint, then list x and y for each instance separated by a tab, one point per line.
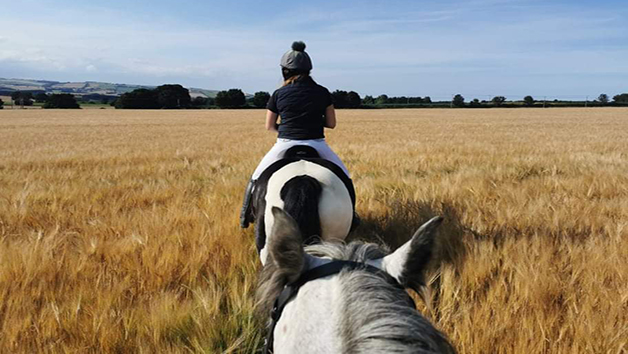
310	322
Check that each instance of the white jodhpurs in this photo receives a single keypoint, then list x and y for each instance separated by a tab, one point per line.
277	151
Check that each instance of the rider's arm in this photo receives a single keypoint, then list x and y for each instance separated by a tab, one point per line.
271	121
330	117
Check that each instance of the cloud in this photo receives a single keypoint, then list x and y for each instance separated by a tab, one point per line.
31	57
393	47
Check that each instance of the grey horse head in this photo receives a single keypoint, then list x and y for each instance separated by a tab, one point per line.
352	311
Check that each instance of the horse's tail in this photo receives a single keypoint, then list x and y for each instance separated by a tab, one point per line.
301	195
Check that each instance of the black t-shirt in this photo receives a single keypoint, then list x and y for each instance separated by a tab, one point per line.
301	106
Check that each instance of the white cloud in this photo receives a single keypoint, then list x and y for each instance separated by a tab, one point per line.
399	51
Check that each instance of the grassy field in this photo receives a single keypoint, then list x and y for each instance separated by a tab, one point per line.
119	229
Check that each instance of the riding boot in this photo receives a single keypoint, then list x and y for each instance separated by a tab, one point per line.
246	213
355	222
356	218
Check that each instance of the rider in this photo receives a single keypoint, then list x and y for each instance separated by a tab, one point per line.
305	108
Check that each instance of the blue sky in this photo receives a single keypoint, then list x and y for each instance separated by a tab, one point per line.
479	48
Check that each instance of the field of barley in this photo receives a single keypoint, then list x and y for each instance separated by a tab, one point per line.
119	229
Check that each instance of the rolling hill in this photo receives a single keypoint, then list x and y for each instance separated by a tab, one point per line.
82	88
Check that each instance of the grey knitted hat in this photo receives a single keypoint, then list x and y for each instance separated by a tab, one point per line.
297	58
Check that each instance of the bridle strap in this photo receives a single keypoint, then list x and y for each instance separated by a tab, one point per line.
331	268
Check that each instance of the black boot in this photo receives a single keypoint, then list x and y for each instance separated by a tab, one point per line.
246	214
355	222
356	218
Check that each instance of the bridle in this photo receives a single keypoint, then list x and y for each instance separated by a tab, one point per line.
331	268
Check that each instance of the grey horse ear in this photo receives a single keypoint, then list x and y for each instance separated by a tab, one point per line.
285	245
407	264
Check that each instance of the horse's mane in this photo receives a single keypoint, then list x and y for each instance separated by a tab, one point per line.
377	317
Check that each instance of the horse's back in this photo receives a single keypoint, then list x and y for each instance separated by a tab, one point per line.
335	206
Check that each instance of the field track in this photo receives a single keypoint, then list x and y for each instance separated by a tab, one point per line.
119	229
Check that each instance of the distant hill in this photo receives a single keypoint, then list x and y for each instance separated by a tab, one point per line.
82	88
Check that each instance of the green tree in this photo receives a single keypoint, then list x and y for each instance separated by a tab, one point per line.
621	98
234	98
528	101
41	97
427	99
603	98
368	100
340	99
172	96
381	99
353	99
200	101
237	97
475	103
138	99
15	95
61	100
260	99
498	100
22	98
458	100
400	100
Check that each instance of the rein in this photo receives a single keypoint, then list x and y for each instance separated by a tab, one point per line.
331	268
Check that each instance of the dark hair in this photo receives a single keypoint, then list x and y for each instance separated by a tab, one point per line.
288	73
292	75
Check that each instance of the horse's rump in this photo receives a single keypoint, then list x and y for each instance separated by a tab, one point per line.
324	212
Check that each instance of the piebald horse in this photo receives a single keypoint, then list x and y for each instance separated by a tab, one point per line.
314	191
345	298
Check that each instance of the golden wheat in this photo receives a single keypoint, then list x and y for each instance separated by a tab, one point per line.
119	229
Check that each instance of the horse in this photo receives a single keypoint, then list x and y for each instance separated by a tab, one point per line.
333	297
314	191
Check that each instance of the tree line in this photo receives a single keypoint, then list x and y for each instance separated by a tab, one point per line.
55	100
529	101
174	96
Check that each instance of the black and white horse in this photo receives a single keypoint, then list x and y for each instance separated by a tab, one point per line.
314	191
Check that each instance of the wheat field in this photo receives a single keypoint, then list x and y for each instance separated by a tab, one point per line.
119	229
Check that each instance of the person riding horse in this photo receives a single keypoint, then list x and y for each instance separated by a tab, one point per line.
305	108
